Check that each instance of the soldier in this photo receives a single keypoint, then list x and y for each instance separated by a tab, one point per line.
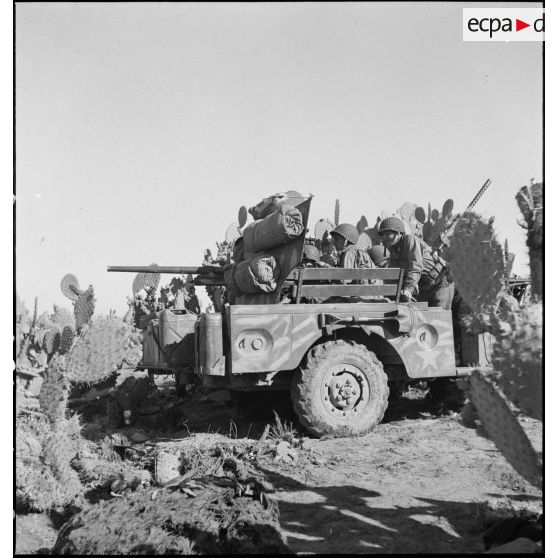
379	255
425	274
345	238
312	257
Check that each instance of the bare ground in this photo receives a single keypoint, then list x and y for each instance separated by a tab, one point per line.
420	483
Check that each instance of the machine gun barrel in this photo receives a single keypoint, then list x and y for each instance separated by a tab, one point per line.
175	270
443	241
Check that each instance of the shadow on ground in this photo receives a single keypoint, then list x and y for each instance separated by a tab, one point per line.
345	519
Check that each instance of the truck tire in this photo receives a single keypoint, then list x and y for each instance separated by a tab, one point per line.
340	389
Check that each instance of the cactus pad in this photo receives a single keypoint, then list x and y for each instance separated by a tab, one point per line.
420	215
362	224
51	340
84	307
44	321
476	261
336	213
435	215
517	353
146	280
407	210
323	226
67	338
62	316
242	216
104	346
504	429
70	286
447	209
54	391
232	233
427	232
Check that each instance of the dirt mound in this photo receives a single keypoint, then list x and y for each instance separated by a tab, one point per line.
209	515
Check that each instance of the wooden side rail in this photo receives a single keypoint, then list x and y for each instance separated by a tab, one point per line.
325	282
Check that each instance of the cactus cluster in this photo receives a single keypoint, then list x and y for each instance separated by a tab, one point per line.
478	266
38	339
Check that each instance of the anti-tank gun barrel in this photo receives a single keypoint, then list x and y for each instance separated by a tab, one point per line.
206	274
175	270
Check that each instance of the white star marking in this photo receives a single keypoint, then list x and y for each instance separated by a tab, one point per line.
429	358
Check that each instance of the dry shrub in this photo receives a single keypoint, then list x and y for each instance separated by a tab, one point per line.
212	519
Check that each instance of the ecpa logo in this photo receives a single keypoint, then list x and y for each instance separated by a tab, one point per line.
503	24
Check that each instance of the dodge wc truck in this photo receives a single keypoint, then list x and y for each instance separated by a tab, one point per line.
337	358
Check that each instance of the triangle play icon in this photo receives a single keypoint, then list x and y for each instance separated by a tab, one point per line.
519	25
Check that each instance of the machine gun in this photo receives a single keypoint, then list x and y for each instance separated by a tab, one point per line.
446	235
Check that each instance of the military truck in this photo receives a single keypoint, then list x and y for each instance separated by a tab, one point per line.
338	358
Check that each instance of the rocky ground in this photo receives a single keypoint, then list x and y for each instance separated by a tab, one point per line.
420	483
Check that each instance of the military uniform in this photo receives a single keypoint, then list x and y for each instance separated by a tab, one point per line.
354	257
424	272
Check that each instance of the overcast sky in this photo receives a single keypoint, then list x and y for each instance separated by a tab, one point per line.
142	128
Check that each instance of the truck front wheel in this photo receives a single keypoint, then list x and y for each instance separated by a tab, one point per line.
340	389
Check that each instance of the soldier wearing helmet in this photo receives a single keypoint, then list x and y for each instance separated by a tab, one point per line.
345	238
425	274
379	255
311	257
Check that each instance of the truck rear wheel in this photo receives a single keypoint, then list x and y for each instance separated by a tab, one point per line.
341	389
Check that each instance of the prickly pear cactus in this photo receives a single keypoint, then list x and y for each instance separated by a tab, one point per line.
54	391
420	215
146	281
435	215
44	321
336	213
62	316
242	216
362	224
232	233
427	232
103	346
70	286
530	201
84	307
406	211
322	227
67	338
517	352
503	427
476	261
51	340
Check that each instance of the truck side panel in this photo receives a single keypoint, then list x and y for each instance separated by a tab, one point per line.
428	348
271	338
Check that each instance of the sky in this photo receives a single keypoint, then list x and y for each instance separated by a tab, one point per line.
142	128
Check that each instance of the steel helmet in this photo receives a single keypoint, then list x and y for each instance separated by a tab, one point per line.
312	253
347	231
378	253
391	224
